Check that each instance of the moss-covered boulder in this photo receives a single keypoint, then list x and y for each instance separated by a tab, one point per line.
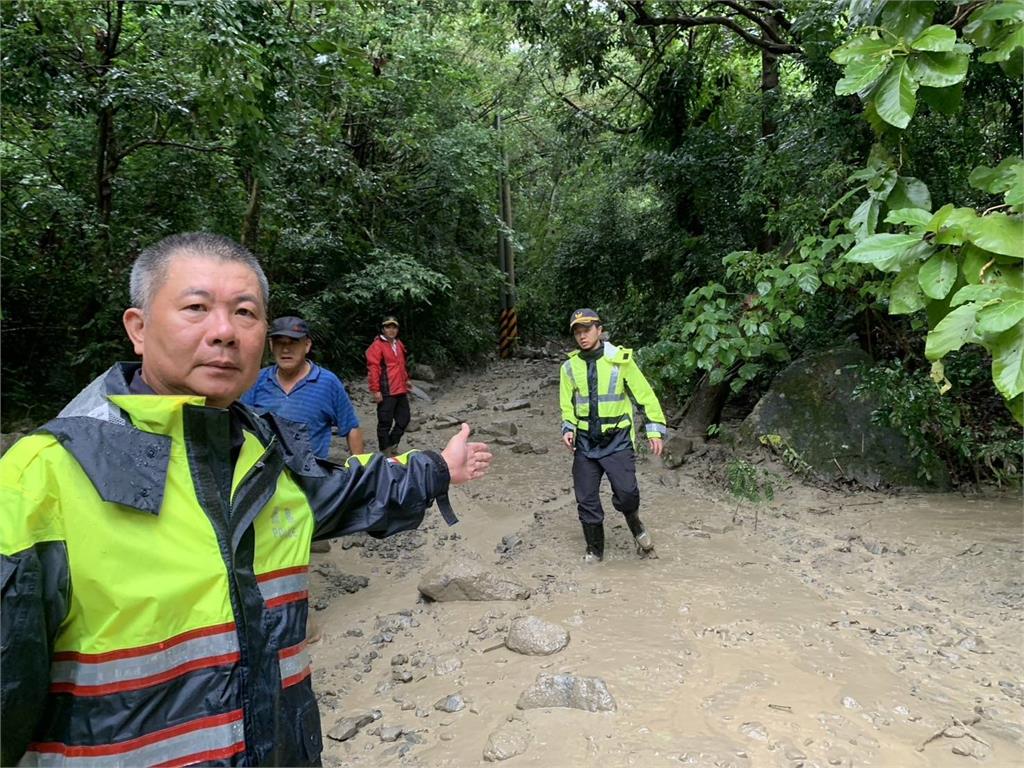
815	419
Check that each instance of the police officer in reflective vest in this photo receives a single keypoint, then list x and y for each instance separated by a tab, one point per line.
600	384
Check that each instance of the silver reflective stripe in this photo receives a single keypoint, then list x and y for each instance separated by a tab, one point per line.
294	665
567	425
567	367
207	744
656	428
580	400
610	398
613	380
291	584
137	667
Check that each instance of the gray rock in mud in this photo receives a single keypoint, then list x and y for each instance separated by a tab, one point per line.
483	401
425	372
451	703
812	407
510	739
413	426
508	544
420	393
349	726
532	636
466	577
586	693
503	428
391	732
677	448
514	405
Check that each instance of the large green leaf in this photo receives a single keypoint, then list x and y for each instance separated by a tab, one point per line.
975	260
938	274
954	224
881	249
905	296
1008	361
1016	406
999	11
915	217
1004	314
998	233
907	18
979	293
860	75
861	47
952	332
894	98
938	70
864	220
909	192
1006	177
937	37
1004	47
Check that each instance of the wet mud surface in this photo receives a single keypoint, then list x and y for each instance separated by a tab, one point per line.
848	629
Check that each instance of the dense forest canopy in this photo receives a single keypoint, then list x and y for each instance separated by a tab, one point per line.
732	183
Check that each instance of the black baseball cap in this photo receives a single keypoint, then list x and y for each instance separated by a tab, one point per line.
292	327
584	316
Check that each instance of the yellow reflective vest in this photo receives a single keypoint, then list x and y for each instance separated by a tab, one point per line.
620	385
155	566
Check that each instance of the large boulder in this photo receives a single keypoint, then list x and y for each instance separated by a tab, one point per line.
811	407
586	693
466	577
532	636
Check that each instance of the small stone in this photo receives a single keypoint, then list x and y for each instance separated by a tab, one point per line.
390	733
452	703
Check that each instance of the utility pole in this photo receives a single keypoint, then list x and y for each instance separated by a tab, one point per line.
508	331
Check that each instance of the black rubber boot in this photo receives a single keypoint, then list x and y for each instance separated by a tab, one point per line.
594	535
644	542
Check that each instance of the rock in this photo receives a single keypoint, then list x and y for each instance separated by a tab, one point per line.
510	739
451	703
483	401
390	733
425	372
587	693
676	449
532	636
811	407
508	544
465	577
525	448
347	727
503	428
514	405
754	730
419	393
414	426
447	665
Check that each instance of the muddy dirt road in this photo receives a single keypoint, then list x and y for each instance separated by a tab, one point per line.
847	630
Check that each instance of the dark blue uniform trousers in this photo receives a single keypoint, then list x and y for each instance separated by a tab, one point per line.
586	477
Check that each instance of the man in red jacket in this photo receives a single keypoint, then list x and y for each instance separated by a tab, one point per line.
389	384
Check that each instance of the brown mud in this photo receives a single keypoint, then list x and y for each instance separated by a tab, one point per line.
848	629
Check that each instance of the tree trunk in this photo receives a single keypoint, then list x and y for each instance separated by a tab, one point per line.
107	159
704	408
251	219
769	98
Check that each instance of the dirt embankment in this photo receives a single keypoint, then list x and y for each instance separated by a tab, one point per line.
846	630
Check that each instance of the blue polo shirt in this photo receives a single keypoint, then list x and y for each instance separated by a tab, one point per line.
319	401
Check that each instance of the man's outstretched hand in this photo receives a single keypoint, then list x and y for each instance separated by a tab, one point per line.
466	461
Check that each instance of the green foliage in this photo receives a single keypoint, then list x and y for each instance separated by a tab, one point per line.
956	430
963	267
749	483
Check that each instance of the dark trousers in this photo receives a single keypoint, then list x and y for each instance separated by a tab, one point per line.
392	419
586	477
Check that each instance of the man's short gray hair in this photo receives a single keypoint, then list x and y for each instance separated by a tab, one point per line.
150	268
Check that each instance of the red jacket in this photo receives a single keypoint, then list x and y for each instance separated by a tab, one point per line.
385	367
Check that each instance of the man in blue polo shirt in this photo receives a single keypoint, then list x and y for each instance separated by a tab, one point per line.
298	389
